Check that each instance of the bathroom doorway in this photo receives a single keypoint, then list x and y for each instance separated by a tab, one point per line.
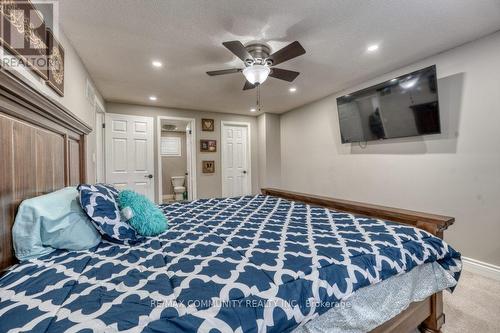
176	159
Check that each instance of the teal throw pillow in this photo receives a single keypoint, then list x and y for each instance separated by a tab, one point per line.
142	214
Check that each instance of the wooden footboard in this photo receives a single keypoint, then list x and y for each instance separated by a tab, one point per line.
427	315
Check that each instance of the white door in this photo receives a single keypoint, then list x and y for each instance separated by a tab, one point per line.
236	179
129	153
99	137
189	183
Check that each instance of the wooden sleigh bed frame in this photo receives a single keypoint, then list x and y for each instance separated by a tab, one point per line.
427	315
42	149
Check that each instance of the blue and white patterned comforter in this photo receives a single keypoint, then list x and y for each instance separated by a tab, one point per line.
248	264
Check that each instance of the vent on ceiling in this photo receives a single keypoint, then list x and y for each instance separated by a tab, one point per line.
90	93
168	128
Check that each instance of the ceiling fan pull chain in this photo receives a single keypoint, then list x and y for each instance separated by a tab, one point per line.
258	98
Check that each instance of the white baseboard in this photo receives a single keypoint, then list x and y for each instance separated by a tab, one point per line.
481	268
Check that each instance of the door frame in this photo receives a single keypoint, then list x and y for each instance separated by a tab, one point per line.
223	124
192	193
100	158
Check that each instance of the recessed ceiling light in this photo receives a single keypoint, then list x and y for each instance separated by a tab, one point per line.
152	98
157	63
292	89
253	109
372	48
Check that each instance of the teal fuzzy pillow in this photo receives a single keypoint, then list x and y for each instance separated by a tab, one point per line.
146	218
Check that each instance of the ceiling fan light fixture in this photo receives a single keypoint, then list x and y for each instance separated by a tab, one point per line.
256	74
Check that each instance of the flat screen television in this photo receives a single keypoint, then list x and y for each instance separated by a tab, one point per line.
401	107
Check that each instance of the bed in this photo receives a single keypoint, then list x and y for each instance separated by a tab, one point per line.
262	263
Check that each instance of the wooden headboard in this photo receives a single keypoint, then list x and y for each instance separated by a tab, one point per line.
42	149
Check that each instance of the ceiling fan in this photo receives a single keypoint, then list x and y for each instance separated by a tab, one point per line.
259	62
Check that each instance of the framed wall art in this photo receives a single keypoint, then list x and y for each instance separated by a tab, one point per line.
208	146
207	125
23	34
56	64
208	166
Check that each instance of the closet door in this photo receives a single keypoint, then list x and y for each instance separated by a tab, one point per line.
129	153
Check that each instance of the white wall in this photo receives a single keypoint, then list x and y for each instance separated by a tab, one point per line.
273	150
75	81
208	185
455	173
269	150
261	141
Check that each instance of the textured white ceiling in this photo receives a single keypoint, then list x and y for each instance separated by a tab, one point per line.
118	39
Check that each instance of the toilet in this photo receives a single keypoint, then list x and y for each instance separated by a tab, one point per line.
179	189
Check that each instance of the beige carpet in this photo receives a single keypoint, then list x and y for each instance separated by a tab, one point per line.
474	306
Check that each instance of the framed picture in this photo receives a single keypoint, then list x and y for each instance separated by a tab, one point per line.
208	166
23	34
207	125
208	146
56	64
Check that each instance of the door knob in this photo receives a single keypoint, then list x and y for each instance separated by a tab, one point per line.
148	176
244	171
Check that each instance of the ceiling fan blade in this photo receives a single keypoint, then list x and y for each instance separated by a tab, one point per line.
225	71
283	74
238	49
248	85
288	52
